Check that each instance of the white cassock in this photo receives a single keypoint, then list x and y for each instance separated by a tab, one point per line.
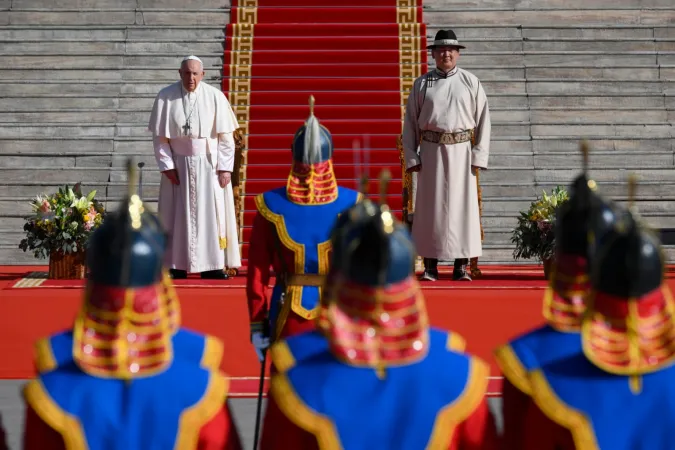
198	214
446	223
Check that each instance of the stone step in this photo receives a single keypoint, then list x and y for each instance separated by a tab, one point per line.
612	189
42	144
550	17
500	158
538	144
212	76
11	255
25	114
647	190
586	116
650	44
141	144
507	209
569	86
583	59
127	4
169	75
15	88
569	59
101	130
512	207
131	32
502	175
142	116
464	32
547	4
112	62
68	116
606	101
599	160
554	45
499	219
605	73
605	130
498	236
110	16
541	144
564	175
501	254
469	59
145	101
574	31
67	47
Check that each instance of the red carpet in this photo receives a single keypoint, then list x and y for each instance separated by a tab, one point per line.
358	58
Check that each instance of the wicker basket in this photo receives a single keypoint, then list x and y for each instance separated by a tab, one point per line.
70	266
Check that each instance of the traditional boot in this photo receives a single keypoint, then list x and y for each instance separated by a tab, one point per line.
430	269
460	272
475	270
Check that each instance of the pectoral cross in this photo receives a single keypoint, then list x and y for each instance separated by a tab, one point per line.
186	128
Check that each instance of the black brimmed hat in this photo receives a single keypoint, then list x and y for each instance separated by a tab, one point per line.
445	38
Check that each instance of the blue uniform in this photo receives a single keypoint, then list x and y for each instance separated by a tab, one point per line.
603	410
406	407
305	231
160	412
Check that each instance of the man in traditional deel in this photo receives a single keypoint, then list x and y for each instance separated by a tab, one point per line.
446	139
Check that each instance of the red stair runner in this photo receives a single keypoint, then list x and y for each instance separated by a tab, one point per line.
358	58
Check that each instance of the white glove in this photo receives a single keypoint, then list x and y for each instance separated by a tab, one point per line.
261	343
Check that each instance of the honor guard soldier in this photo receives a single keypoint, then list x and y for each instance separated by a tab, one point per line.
374	375
614	387
291	234
584	219
204	350
124	385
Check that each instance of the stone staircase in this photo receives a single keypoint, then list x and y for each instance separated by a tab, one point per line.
557	71
79	77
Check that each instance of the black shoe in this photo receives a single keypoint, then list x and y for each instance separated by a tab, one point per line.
177	274
214	275
430	270
429	275
460	272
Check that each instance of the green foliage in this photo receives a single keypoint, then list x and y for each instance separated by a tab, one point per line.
61	222
534	236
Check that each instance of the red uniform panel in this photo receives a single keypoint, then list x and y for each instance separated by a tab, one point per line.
262	257
541	433
477	432
220	433
515	405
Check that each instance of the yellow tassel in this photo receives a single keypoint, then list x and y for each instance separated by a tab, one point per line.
635	383
381	372
223	243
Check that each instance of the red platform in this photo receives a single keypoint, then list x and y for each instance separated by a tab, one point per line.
486	312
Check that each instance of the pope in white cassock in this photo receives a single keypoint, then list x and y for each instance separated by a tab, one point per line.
192	125
446	140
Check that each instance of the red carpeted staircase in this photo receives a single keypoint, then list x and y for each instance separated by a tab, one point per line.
358	58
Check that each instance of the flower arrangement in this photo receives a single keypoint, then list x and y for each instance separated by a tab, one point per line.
534	236
62	222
